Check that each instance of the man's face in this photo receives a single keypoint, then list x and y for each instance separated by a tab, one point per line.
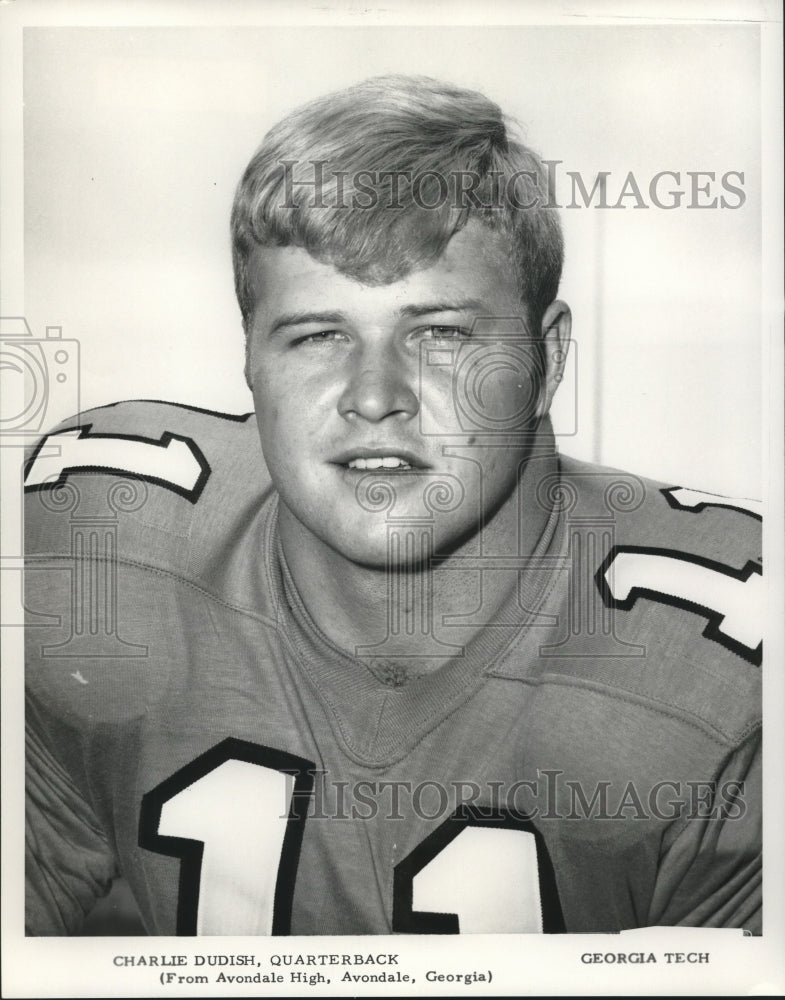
391	404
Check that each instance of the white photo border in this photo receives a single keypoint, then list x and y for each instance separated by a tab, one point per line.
85	967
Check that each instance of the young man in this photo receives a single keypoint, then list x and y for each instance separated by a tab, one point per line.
377	659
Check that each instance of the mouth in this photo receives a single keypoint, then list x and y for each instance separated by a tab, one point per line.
379	459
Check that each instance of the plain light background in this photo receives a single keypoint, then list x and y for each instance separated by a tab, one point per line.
136	137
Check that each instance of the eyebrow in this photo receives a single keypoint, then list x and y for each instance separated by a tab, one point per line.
464	305
300	318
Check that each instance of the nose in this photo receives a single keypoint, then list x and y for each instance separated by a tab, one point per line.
379	385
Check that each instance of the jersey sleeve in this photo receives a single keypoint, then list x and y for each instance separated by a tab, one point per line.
173	502
710	869
68	861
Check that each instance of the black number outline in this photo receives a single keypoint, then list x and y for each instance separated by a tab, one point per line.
192	495
726	503
407	920
190	852
714	618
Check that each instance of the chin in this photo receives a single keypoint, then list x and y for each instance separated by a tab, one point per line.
403	546
370	548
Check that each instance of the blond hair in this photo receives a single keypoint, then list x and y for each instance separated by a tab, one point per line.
375	180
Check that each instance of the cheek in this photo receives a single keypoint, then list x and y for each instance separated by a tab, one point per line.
268	410
290	427
497	394
490	390
438	395
273	394
277	428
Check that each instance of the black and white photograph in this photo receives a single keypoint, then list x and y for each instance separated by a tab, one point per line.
391	446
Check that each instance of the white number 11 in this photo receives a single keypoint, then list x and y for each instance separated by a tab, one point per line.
235	818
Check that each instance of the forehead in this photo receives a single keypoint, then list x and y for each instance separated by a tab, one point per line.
475	264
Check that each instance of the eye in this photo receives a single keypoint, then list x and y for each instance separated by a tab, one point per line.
438	332
320	337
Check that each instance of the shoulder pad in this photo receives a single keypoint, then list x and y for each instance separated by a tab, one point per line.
665	599
179	482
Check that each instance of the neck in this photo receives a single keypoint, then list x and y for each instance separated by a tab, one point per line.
388	612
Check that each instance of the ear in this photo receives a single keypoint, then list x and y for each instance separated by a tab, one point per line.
248	329
556	328
247	367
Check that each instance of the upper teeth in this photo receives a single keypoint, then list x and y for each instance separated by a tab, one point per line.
388	462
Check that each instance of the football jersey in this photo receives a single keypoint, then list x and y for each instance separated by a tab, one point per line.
590	761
